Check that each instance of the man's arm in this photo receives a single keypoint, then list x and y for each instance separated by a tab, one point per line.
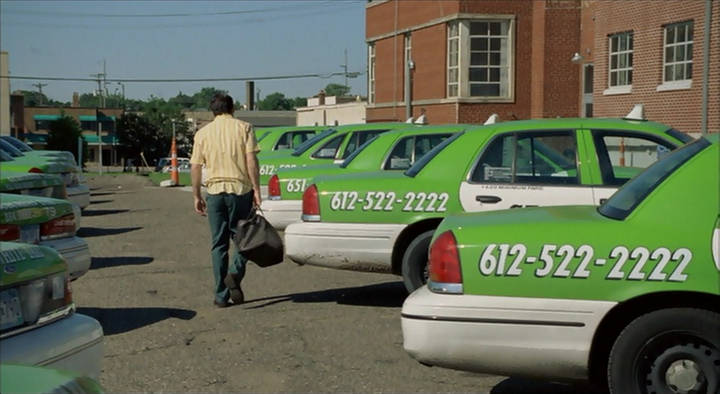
251	163
196	176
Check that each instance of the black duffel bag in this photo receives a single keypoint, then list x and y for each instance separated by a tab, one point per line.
258	241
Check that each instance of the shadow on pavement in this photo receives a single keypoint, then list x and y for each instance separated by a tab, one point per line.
105	262
101	201
85	232
100	212
120	320
94	194
528	386
388	294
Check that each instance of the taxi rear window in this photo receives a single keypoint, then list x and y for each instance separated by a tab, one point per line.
357	151
9	149
420	164
312	141
622	203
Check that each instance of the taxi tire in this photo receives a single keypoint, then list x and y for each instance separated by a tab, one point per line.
415	261
649	344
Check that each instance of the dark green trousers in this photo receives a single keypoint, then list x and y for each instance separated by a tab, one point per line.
224	211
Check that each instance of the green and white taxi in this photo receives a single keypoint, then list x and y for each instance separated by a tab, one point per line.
383	221
38	323
45	221
272	139
25	148
392	151
626	294
12	159
331	145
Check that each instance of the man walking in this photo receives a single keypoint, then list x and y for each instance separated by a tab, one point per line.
228	149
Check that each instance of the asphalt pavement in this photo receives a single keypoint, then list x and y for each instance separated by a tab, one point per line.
301	329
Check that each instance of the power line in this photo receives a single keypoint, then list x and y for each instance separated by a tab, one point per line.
149	80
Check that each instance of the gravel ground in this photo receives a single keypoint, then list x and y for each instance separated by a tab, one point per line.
302	329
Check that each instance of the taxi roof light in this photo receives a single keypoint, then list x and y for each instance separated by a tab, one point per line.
492	119
637	113
445	271
311	205
274	187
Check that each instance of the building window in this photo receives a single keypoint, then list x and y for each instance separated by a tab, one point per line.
479	58
453	60
621	59
42	124
677	61
371	73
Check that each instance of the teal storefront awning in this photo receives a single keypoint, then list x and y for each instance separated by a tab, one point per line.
106	139
94	119
46	117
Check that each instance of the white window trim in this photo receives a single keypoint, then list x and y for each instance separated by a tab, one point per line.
675	85
464	59
371	72
618	89
671	84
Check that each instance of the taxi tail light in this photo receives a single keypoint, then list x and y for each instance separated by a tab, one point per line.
9	232
311	205
63	226
274	187
445	272
35	170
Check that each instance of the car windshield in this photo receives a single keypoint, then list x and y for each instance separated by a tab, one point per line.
679	135
23	147
422	162
312	141
622	203
357	151
5	157
9	149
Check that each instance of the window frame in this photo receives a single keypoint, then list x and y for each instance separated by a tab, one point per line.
464	58
371	72
687	44
628	51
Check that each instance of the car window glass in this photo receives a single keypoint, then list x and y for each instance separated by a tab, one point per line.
410	149
547	158
284	142
17	143
9	149
358	138
301	136
427	158
622	156
329	149
4	156
312	141
620	204
357	152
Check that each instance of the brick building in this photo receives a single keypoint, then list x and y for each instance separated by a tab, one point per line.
652	52
461	60
31	124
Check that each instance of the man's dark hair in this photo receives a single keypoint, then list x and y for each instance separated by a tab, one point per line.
221	104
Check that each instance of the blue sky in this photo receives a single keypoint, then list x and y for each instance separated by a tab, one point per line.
184	39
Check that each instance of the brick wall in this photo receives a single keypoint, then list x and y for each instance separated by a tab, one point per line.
679	108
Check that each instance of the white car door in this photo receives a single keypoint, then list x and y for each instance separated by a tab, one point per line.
525	169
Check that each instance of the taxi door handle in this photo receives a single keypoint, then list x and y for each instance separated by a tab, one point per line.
488	199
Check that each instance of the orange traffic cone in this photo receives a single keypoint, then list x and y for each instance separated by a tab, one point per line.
173	164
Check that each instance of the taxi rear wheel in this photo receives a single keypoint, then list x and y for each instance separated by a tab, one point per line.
670	351
415	261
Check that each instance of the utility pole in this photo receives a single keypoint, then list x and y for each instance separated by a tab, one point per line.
345	67
40	86
100	78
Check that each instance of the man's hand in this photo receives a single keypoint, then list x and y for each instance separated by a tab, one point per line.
200	206
257	200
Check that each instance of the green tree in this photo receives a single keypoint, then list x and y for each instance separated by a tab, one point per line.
299	102
202	98
335	89
275	102
136	135
63	134
37	99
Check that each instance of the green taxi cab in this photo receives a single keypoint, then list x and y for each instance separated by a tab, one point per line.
25	148
626	295
383	221
38	323
45	221
392	151
331	145
31	379
272	139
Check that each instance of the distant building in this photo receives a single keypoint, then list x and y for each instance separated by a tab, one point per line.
324	110
32	127
256	118
461	61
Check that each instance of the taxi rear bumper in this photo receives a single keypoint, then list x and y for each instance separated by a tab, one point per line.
75	251
353	246
79	194
281	213
74	343
534	337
